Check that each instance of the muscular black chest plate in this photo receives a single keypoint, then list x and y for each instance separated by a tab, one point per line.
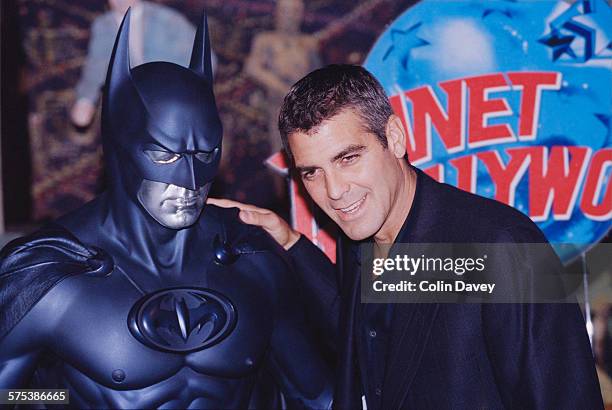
183	319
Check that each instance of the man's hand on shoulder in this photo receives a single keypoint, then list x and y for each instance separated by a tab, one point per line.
276	226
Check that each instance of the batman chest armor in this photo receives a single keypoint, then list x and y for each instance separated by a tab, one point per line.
120	335
185	319
182	319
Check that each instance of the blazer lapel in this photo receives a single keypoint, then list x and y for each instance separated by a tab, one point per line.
411	327
412	322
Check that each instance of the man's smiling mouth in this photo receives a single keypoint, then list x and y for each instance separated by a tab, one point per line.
351	209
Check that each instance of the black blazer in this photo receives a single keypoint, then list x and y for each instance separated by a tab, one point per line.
460	356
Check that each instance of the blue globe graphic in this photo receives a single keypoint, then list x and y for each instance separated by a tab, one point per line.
438	40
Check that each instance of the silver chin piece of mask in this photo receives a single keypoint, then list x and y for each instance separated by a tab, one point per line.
172	206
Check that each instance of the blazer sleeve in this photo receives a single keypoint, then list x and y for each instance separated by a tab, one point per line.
540	352
317	277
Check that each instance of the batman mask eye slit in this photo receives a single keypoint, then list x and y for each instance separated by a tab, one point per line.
206	156
162	157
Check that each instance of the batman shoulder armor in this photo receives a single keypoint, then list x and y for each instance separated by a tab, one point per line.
30	266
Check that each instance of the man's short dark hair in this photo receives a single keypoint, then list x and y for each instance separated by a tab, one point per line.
328	91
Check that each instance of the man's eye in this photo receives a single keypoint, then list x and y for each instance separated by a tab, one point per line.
207	157
308	175
162	157
350	158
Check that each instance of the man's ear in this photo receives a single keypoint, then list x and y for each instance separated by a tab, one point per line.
396	136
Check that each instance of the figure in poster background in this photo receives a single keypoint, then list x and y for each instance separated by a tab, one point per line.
280	57
169	35
145	297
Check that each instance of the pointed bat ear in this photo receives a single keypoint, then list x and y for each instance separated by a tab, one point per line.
119	66
121	103
200	55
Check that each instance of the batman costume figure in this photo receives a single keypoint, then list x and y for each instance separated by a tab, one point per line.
146	297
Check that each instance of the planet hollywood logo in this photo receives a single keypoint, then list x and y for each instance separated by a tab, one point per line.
512	101
557	174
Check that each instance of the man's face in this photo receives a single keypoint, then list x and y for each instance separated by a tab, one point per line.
349	174
171	205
